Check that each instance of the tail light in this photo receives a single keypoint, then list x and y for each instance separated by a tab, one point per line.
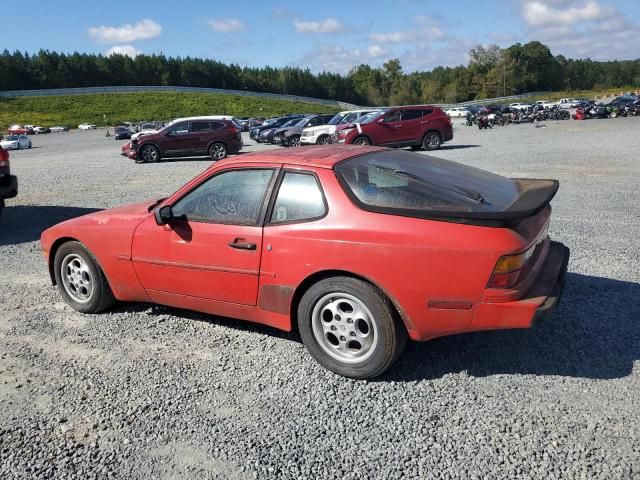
4	158
510	269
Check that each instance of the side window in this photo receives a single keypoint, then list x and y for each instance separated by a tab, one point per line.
426	112
314	122
411	114
392	116
181	128
216	125
200	126
232	197
299	198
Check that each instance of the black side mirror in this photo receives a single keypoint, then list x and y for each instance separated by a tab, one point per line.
164	215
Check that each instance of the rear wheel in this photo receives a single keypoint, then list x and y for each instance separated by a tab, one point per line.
19	147
149	154
80	279
362	141
431	141
349	327
218	151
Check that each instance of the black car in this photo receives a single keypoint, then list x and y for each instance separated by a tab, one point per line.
254	133
8	182
289	136
122	133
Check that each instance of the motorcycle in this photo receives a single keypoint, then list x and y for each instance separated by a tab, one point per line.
483	122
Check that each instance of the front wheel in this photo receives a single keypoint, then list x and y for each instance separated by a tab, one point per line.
149	154
431	141
362	141
217	151
80	279
322	140
349	327
294	141
30	145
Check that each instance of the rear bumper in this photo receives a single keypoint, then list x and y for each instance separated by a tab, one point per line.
536	305
8	186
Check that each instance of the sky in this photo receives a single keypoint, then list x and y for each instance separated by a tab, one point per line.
328	35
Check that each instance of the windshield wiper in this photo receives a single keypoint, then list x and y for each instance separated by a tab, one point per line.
467	193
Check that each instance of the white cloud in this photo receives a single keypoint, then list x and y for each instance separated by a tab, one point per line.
425	31
541	13
328	25
376	51
227	25
336	58
128	50
580	29
142	30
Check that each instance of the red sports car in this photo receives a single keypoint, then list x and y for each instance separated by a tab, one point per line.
355	247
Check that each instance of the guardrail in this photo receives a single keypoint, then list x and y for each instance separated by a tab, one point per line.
162	88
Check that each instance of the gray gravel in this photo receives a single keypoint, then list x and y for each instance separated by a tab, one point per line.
151	392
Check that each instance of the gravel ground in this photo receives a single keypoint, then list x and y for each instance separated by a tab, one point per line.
152	392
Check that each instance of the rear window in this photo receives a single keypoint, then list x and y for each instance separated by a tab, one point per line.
412	184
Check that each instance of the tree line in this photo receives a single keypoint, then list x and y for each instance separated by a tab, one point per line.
491	72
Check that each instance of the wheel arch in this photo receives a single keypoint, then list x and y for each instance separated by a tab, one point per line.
153	144
362	135
55	246
314	278
226	145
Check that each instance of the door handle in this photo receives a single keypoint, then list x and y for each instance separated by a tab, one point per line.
425	122
240	245
397	126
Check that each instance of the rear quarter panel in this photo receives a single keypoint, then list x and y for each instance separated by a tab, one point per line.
411	260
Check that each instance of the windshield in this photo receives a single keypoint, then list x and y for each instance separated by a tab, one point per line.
12	138
291	122
336	120
411	184
303	122
369	117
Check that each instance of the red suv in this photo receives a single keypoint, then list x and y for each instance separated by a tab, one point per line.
416	126
187	137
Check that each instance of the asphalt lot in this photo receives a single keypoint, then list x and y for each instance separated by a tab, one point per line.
146	392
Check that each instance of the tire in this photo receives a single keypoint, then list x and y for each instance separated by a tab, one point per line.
322	140
364	141
218	151
431	141
19	147
294	141
30	145
81	280
370	343
149	154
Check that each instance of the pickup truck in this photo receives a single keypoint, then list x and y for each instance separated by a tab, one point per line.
8	182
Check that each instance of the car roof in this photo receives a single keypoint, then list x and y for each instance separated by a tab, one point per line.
325	156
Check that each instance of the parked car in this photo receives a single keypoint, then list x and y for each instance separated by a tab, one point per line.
122	132
243	122
321	134
290	136
191	136
546	104
86	126
276	122
383	245
17	130
8	182
268	135
58	129
423	126
520	106
39	130
568	103
15	142
454	112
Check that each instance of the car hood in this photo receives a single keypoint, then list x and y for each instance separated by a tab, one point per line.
320	129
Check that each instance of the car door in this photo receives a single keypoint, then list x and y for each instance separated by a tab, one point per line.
212	248
411	130
175	140
390	129
199	133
